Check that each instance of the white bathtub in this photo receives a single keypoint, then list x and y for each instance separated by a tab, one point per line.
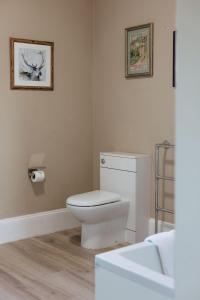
132	273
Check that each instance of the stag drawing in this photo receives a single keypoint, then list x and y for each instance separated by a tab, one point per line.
34	71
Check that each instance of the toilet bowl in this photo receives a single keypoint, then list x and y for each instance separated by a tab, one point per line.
103	216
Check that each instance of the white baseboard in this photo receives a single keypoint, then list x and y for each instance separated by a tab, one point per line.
22	227
162	226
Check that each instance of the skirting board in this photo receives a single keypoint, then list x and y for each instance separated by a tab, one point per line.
162	226
22	227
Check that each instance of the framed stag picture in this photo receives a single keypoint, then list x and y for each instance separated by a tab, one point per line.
139	51
31	64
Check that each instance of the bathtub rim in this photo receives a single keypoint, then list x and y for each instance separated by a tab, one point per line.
115	262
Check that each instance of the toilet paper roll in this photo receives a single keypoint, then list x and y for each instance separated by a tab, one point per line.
37	176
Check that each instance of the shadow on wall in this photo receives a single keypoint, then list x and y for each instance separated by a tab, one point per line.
37	161
38	188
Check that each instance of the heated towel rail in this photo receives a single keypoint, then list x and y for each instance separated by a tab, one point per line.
158	178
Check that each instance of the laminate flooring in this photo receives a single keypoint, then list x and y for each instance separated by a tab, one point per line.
50	267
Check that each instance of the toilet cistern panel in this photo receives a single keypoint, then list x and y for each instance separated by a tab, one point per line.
122	183
129	176
118	175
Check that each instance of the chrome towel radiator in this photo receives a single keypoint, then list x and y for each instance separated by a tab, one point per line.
158	178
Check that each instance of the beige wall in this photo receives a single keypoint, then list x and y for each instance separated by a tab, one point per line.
131	115
55	124
55	128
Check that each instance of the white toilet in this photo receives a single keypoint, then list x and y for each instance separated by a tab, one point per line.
103	216
107	214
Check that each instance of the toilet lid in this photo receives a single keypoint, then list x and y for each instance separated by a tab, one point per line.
94	198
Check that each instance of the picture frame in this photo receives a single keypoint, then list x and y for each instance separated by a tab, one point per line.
31	64
139	51
174	60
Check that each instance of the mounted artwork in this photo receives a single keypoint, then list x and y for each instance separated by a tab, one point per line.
31	64
174	60
139	51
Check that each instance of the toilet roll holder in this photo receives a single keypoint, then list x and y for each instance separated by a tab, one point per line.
31	170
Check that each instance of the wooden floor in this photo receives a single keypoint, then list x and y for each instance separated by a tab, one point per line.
48	267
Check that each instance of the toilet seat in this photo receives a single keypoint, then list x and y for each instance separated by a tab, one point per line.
92	199
103	217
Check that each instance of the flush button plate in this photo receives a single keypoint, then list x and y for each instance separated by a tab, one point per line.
118	163
103	161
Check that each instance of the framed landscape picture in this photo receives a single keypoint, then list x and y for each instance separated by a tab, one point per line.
174	60
139	51
31	64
